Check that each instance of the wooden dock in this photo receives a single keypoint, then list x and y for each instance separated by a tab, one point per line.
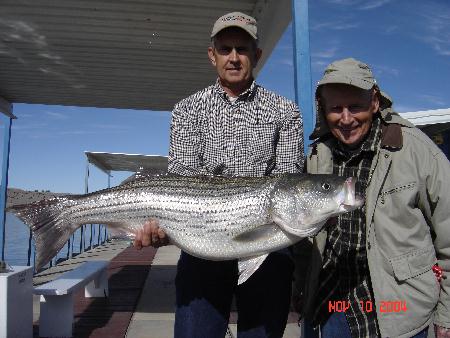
141	300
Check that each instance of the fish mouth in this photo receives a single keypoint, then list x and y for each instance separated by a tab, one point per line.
351	200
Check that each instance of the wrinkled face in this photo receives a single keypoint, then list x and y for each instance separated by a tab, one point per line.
234	55
302	204
348	111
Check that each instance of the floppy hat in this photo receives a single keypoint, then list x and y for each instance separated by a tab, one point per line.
354	73
349	72
236	19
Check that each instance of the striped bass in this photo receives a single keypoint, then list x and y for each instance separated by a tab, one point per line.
215	218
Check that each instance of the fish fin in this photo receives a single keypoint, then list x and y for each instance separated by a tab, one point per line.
248	266
262	232
42	217
147	174
302	230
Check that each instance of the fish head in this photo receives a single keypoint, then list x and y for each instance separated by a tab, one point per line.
302	203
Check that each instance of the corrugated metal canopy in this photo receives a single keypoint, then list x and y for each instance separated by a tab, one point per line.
140	54
430	122
427	117
108	162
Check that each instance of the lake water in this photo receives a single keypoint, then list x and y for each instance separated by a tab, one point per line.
17	236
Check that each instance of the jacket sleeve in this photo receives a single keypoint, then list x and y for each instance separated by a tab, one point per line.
185	151
438	211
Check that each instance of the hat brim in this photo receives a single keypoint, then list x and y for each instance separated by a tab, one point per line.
342	79
243	27
385	99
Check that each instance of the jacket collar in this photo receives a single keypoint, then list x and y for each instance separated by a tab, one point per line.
391	136
391	133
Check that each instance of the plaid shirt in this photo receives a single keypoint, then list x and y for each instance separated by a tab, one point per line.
260	133
345	273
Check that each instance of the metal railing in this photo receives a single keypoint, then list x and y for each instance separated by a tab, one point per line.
73	247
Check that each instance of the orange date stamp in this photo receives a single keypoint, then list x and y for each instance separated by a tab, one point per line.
385	306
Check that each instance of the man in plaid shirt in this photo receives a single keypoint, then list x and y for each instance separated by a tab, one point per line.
372	274
232	128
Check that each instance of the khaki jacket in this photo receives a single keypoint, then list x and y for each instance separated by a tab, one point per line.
408	230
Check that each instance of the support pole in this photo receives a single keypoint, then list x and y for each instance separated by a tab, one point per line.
86	190
302	66
6	117
99	236
302	74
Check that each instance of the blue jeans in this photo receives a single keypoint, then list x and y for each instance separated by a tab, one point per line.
337	327
205	289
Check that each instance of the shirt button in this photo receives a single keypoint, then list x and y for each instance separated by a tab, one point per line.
368	245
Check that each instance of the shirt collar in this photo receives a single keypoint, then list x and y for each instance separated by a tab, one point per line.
250	92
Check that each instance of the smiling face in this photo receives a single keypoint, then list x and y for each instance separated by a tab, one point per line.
348	111
234	55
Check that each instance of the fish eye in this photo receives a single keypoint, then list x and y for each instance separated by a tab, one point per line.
326	186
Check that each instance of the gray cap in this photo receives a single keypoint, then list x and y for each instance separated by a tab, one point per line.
349	71
354	73
236	19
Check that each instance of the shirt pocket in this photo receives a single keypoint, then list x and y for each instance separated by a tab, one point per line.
262	140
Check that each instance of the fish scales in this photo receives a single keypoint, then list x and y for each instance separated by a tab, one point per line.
175	202
215	218
181	213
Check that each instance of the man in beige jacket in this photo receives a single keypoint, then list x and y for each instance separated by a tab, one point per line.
371	273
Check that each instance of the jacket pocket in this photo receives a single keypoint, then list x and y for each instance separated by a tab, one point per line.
413	263
385	193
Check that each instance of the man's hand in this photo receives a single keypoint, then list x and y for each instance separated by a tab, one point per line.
441	332
150	235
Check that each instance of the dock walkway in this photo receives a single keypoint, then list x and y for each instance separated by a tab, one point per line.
142	295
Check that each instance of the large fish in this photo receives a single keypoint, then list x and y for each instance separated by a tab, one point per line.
216	218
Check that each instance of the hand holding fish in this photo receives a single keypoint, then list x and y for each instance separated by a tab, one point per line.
150	235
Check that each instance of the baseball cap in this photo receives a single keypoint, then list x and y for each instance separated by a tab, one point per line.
236	19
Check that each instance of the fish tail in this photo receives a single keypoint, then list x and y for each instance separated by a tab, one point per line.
50	228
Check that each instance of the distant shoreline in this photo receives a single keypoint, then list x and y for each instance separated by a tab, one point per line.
19	196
